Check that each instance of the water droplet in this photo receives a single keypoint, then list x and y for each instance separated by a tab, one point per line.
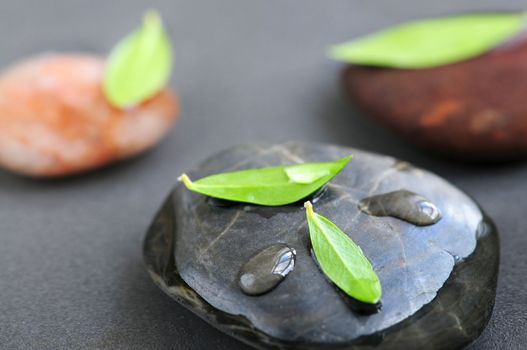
265	270
404	205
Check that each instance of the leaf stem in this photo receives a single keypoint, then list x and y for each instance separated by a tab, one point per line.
309	208
186	180
151	17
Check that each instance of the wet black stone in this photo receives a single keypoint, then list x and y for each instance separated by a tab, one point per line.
404	205
439	281
266	269
221	203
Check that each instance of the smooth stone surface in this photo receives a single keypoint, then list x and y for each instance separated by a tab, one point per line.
402	204
473	109
55	120
266	269
438	281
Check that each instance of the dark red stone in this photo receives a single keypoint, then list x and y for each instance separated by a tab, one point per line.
472	109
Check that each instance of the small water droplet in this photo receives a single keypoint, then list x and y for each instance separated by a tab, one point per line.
266	269
404	205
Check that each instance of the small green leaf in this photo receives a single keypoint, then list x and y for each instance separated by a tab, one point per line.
139	66
268	186
341	260
432	42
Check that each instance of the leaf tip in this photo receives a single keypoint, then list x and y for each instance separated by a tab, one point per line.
334	52
344	161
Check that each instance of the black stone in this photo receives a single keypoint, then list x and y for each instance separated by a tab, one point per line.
404	205
439	281
266	269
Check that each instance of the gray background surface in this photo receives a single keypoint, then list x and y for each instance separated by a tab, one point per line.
71	272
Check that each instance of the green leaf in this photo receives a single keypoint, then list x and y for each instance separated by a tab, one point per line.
341	260
432	42
268	186
139	66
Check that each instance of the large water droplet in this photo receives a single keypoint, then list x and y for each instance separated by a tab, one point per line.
265	270
404	205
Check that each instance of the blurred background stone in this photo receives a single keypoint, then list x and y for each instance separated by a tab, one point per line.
55	120
474	109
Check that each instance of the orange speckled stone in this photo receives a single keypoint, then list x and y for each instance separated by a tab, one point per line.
474	109
55	120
